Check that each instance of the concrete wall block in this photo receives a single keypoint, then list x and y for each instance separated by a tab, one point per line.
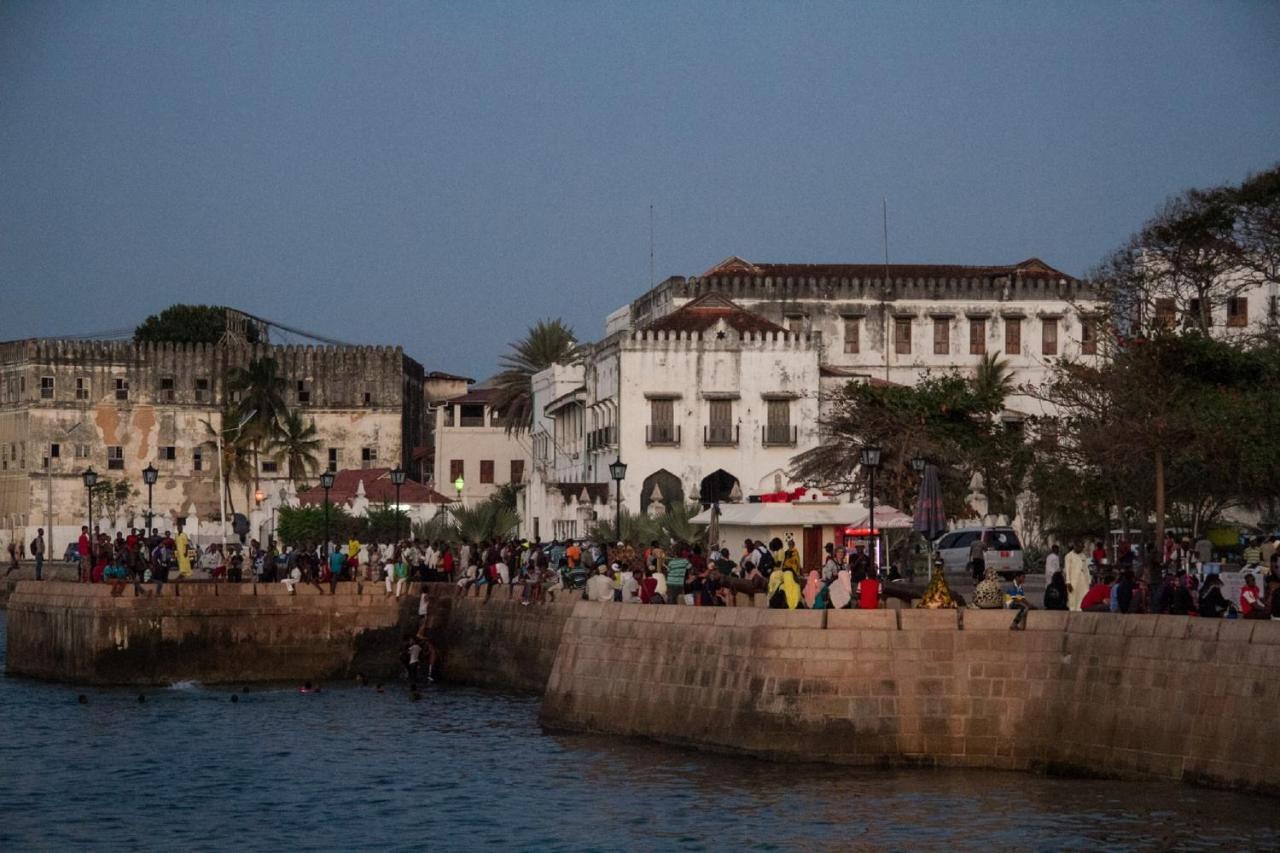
988	620
1084	623
1236	630
1047	620
1172	627
928	620
1266	633
862	620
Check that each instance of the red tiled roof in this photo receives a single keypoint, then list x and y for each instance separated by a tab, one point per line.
378	488
704	312
1030	268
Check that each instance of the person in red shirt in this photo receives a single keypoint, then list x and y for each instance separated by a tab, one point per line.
870	591
86	561
1098	598
1251	600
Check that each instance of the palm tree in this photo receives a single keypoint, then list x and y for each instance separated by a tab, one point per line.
677	523
993	380
238	451
296	445
261	389
548	342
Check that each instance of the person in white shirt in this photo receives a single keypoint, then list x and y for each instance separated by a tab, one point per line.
599	586
630	588
295	577
1052	565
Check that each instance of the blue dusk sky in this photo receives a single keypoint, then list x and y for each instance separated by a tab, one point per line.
439	175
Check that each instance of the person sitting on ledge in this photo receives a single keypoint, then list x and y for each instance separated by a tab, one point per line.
1251	603
1016	593
1213	604
870	590
1098	598
600	586
988	595
1055	594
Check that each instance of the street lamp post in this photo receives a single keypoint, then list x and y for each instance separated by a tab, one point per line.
871	461
458	484
149	476
90	478
918	464
618	471
326	482
397	480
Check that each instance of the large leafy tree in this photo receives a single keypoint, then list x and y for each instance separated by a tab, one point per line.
1175	423
1257	208
296	444
548	342
949	419
188	324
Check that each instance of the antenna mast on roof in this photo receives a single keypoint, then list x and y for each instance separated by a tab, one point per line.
651	282
884	292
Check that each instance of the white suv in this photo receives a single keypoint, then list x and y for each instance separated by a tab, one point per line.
1002	549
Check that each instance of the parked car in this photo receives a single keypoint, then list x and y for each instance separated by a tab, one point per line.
1002	549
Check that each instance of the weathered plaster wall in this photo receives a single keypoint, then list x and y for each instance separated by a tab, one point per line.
1136	696
359	397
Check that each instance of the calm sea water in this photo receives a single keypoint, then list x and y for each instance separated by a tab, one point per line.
462	769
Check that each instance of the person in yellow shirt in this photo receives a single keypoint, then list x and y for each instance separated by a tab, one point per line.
182	549
353	559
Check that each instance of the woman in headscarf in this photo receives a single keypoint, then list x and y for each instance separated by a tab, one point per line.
784	589
988	595
811	588
840	591
1055	594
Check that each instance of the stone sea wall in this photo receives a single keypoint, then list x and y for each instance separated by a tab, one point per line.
213	633
1164	697
1136	696
231	633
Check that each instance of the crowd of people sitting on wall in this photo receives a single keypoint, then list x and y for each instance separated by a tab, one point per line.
1182	579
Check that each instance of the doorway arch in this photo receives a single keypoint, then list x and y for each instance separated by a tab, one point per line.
667	487
717	486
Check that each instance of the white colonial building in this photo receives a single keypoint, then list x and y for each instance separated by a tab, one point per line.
707	387
707	402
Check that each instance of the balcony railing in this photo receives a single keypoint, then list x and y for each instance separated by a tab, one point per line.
662	435
599	438
720	436
470	421
775	435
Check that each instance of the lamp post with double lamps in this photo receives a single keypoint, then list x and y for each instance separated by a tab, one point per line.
149	476
326	483
90	478
618	471
397	480
870	459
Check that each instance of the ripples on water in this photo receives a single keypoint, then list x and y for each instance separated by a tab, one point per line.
352	768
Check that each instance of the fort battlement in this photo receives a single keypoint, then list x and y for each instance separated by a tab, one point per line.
758	340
